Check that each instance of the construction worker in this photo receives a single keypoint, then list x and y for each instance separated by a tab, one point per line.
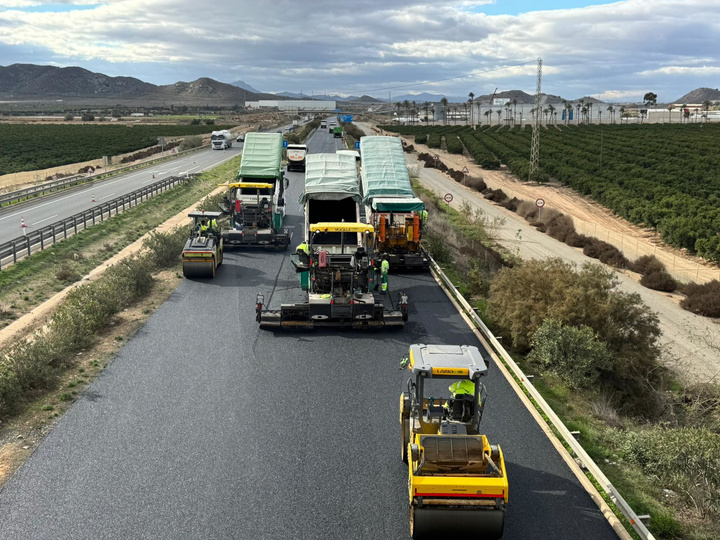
214	225
459	388
423	217
384	269
203	227
303	253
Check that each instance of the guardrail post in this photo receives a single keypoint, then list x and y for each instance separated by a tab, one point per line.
75	224
42	240
14	252
93	216
27	242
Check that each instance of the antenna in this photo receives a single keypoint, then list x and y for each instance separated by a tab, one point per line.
535	145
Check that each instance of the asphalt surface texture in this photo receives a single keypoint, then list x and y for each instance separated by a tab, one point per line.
50	208
205	426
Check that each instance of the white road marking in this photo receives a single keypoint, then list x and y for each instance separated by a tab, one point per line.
38	222
106	196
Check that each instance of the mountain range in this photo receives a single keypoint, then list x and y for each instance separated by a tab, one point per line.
29	81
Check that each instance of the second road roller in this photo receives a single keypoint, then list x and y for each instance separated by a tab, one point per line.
457	480
203	251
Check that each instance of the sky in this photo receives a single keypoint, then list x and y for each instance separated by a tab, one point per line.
615	51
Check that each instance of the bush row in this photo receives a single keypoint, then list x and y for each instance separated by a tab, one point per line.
30	365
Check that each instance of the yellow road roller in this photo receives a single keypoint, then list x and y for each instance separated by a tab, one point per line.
457	479
203	251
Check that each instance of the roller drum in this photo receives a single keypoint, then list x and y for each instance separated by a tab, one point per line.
433	522
199	270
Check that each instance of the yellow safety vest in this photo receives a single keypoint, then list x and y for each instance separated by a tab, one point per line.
304	247
385	267
462	387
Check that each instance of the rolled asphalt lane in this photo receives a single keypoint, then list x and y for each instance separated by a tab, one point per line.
205	426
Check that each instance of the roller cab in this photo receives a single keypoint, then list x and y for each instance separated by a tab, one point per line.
457	480
203	251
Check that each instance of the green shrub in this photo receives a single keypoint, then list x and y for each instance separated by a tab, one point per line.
453	144
646	265
434	140
659	280
166	248
574	353
702	299
191	142
420	139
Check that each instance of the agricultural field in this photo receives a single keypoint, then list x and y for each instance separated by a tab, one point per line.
666	177
30	147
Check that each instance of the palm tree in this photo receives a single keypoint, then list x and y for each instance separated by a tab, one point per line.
507	112
622	113
589	106
568	108
684	113
599	116
426	106
471	97
406	105
414	110
551	108
399	106
487	115
611	110
444	103
706	106
432	113
546	111
514	102
582	108
499	112
465	106
584	111
670	110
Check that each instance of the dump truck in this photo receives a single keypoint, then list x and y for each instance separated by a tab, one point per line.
390	204
457	480
203	251
337	268
296	157
256	204
221	140
337	132
323	124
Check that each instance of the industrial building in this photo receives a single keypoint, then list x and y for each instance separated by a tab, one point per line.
293	105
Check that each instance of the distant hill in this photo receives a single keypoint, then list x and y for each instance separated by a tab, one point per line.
700	95
365	99
29	81
246	86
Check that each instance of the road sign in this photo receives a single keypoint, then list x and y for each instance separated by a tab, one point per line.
465	170
448	198
357	145
285	143
540	203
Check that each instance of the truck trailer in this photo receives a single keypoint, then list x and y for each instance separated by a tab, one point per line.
336	266
390	204
256	205
221	140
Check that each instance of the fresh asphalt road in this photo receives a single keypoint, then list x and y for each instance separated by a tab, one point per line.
205	426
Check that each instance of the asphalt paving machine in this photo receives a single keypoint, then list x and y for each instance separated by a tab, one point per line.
339	280
457	479
390	205
256	205
203	251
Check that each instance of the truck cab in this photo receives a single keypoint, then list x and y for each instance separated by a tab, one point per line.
296	157
323	124
221	140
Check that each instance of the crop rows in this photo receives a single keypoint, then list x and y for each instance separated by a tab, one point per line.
32	147
662	176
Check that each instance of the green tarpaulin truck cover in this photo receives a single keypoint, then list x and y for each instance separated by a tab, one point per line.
384	172
330	177
261	155
397	204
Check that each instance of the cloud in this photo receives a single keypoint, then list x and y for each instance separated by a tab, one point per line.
619	95
329	46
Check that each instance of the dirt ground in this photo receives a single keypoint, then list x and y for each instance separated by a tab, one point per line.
590	218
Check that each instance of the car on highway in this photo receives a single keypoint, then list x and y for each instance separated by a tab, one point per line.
240	138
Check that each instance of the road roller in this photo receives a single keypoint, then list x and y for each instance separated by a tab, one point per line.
203	251
457	479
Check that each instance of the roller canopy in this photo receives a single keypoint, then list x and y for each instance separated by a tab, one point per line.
261	155
330	177
395	204
384	172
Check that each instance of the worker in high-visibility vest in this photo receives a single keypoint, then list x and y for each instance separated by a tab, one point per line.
460	388
303	253
384	269
423	217
213	225
203	227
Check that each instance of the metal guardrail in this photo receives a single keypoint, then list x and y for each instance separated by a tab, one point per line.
74	180
39	240
582	456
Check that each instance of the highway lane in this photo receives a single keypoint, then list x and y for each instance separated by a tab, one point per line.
205	426
54	207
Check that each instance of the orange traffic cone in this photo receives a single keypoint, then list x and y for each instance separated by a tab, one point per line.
93	197
22	224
